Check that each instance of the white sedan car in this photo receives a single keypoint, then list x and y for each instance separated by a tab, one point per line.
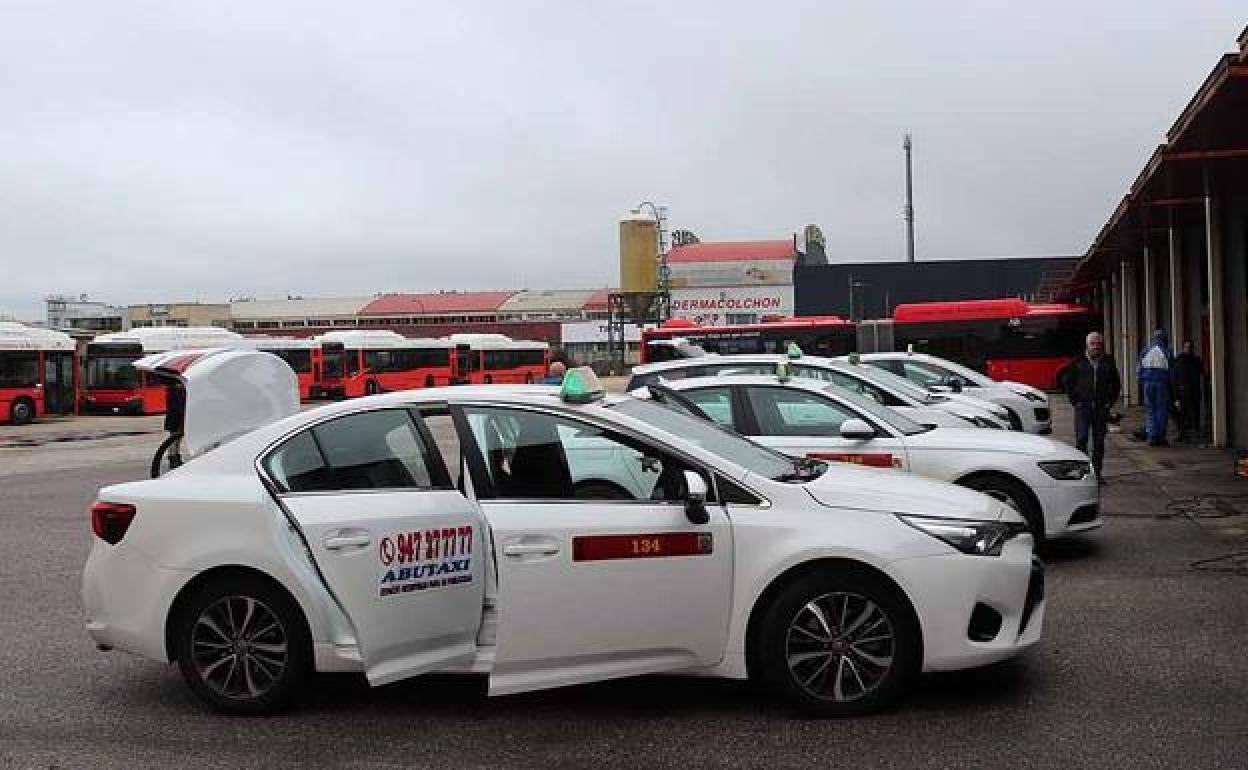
459	529
1028	407
914	401
1051	483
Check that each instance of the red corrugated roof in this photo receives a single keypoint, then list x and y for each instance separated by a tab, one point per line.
732	251
437	304
598	300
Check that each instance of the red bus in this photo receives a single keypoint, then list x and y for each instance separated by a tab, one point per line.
1006	339
299	354
816	335
38	373
482	359
359	363
112	383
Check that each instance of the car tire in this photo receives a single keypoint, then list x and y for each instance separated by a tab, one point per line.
214	627
1013	494
21	411
858	654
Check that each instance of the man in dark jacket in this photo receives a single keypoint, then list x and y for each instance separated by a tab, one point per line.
1092	384
1188	375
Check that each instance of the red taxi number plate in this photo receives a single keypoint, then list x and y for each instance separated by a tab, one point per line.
643	546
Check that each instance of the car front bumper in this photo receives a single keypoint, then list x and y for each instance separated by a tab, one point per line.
1070	507
951	592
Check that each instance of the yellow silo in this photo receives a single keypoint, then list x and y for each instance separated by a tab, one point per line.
639	253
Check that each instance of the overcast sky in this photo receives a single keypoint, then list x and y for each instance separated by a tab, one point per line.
166	151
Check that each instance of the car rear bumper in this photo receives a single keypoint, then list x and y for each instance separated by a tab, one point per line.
127	598
953	594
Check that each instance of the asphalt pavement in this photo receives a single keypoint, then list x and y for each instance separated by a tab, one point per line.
1143	661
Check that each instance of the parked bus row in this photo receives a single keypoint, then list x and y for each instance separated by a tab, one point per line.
39	369
1006	339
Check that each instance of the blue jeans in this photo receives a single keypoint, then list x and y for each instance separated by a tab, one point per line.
1091	422
1156	409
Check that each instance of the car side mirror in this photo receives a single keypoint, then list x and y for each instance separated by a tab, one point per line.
695	498
856	429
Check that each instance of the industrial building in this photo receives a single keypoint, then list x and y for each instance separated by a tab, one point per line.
80	313
179	314
1174	253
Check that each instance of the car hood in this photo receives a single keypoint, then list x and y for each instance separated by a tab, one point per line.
1005	441
1023	389
886	491
980	405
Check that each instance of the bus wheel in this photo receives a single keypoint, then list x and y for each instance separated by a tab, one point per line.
489	380
21	411
371	389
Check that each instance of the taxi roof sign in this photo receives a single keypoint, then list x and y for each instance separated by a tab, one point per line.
581	386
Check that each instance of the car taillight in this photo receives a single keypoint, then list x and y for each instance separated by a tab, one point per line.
111	520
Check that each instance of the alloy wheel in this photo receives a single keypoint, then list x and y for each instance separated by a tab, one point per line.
239	647
840	647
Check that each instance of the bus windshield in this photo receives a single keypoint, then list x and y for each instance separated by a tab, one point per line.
111	372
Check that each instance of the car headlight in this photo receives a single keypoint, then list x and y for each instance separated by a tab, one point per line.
976	538
1027	394
1067	470
984	422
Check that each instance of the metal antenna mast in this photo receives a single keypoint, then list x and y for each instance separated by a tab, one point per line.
909	214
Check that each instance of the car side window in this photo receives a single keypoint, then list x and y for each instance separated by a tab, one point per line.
784	412
372	450
715	403
537	456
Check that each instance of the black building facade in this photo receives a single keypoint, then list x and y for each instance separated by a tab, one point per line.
875	288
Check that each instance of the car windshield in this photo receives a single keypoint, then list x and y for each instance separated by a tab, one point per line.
965	372
888	380
718	441
878	411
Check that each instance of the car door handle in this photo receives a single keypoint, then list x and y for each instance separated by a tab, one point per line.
531	549
342	542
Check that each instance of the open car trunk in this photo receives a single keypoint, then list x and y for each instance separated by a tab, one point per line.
219	394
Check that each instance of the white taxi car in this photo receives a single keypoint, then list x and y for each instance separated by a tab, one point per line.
1028	407
1051	483
458	529
914	401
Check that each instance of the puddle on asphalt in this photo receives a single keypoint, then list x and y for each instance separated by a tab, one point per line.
32	442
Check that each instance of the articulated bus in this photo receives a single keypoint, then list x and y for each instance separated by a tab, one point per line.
113	384
38	373
1007	339
349	364
299	353
482	359
816	335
